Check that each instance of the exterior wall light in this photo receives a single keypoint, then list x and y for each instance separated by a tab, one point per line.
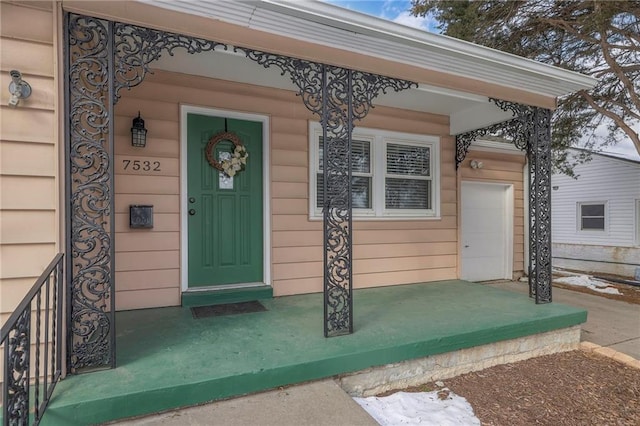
138	132
475	164
18	88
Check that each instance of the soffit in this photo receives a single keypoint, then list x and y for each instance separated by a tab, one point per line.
335	27
466	111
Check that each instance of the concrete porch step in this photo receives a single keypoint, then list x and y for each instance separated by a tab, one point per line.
221	297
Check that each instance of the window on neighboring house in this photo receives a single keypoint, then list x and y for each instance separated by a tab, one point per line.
393	174
592	216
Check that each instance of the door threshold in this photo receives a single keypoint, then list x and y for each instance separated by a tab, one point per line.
231	294
225	287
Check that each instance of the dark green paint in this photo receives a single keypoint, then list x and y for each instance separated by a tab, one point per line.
166	359
225	234
219	297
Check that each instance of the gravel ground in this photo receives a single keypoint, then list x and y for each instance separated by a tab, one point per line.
571	388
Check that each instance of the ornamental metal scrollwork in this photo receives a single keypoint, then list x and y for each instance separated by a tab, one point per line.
539	155
338	96
530	130
91	337
517	129
102	58
136	47
464	140
16	407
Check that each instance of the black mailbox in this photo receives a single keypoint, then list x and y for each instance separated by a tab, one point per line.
140	216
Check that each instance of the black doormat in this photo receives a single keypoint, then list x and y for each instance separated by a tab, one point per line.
227	309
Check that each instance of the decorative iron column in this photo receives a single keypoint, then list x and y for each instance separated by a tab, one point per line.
102	58
530	130
90	214
338	96
539	155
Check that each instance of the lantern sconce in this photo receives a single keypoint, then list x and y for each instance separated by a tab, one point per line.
138	132
475	164
18	88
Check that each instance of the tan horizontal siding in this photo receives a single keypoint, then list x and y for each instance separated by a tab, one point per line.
314	284
148	260
14	52
149	298
508	169
13	19
25	260
18	125
13	290
142	280
21	159
28	227
29	184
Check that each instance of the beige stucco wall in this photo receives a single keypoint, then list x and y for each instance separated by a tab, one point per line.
508	169
29	183
385	252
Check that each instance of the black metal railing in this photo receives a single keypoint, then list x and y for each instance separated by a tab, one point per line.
29	378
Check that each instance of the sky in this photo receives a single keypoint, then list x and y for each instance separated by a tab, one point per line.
398	11
393	10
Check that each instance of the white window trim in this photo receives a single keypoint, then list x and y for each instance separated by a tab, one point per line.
579	217
378	139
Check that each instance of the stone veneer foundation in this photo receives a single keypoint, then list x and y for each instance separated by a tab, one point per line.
373	381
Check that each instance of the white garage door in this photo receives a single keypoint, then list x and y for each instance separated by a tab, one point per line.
487	216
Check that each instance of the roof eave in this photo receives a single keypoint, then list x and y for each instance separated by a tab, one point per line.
357	22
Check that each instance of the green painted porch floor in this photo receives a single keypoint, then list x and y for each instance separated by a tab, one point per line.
167	359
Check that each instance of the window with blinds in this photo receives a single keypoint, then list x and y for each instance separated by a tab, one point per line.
360	175
394	175
408	177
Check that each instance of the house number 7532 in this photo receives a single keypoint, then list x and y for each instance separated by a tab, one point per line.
141	165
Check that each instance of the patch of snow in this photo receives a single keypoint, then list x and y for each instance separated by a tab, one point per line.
588	282
420	408
559	271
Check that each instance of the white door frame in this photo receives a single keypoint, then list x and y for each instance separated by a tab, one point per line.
509	213
266	198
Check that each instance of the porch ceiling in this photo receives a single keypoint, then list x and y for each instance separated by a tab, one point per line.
466	111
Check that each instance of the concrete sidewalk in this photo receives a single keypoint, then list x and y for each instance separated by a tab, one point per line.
610	323
317	403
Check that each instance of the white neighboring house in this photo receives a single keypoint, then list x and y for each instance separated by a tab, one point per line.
596	217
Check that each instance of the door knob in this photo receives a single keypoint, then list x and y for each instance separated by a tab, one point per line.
192	200
466	246
192	212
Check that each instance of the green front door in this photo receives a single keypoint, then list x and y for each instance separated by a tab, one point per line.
224	214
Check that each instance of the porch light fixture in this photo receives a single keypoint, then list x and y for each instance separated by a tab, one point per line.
475	164
18	88
138	132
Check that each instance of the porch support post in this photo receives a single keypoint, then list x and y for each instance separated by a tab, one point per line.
337	129
530	130
102	58
90	214
539	156
338	96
